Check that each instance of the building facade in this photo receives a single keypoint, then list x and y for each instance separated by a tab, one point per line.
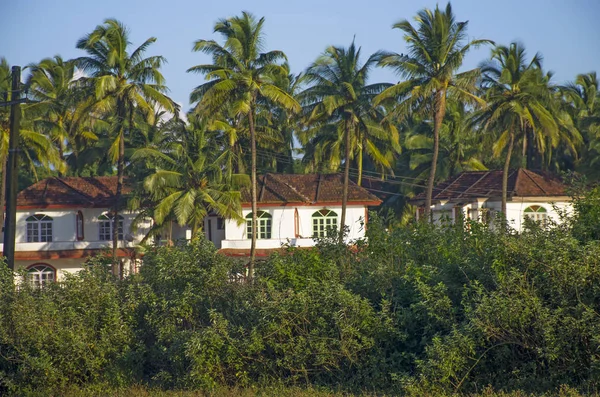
477	195
63	221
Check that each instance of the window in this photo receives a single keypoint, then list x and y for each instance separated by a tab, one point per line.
106	227
79	225
323	220
39	229
536	213
263	220
41	274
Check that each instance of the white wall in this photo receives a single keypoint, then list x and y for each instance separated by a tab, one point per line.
283	226
515	210
62	266
212	231
64	230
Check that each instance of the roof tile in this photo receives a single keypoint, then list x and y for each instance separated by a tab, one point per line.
478	184
72	191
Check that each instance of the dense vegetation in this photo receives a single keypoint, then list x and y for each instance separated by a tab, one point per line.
418	309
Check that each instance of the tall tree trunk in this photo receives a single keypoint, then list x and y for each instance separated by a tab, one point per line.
360	163
120	169
524	157
253	193
505	176
346	180
3	197
440	112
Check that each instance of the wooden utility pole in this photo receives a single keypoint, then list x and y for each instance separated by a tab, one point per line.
11	168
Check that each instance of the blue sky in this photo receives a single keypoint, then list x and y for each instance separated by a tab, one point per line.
565	32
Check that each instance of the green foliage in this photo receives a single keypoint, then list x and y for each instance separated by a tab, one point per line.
72	333
421	310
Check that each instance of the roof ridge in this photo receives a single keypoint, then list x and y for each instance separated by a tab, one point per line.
486	173
526	172
291	187
85	196
318	188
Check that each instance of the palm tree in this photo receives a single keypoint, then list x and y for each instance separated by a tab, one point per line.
241	76
583	104
187	180
435	53
518	100
56	101
460	146
339	112
122	82
35	147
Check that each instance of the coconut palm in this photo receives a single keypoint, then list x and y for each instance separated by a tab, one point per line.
583	104
188	181
436	51
56	101
241	76
460	146
518	102
36	150
341	117
122	81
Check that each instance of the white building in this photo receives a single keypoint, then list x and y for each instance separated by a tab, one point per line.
62	221
292	209
477	195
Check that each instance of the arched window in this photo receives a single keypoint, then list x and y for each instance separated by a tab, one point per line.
39	229
106	227
263	220
536	213
79	226
41	274
323	220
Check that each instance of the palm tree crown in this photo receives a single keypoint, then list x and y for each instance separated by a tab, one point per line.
435	53
240	77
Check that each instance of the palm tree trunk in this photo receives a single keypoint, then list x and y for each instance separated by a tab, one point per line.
524	154
253	193
120	168
346	181
440	112
3	197
360	163
115	236
505	176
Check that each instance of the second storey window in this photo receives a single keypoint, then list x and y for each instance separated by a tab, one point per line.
106	227
39	229
323	220
264	225
537	213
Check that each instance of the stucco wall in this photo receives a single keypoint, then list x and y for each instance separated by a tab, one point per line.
515	210
64	229
283	226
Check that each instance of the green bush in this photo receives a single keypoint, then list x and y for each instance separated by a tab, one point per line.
419	310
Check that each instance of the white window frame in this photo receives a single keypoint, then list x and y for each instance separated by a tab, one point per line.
39	228
322	221
41	274
105	227
265	225
536	213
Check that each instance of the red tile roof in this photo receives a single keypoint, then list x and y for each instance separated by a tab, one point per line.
272	189
71	192
307	188
481	184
